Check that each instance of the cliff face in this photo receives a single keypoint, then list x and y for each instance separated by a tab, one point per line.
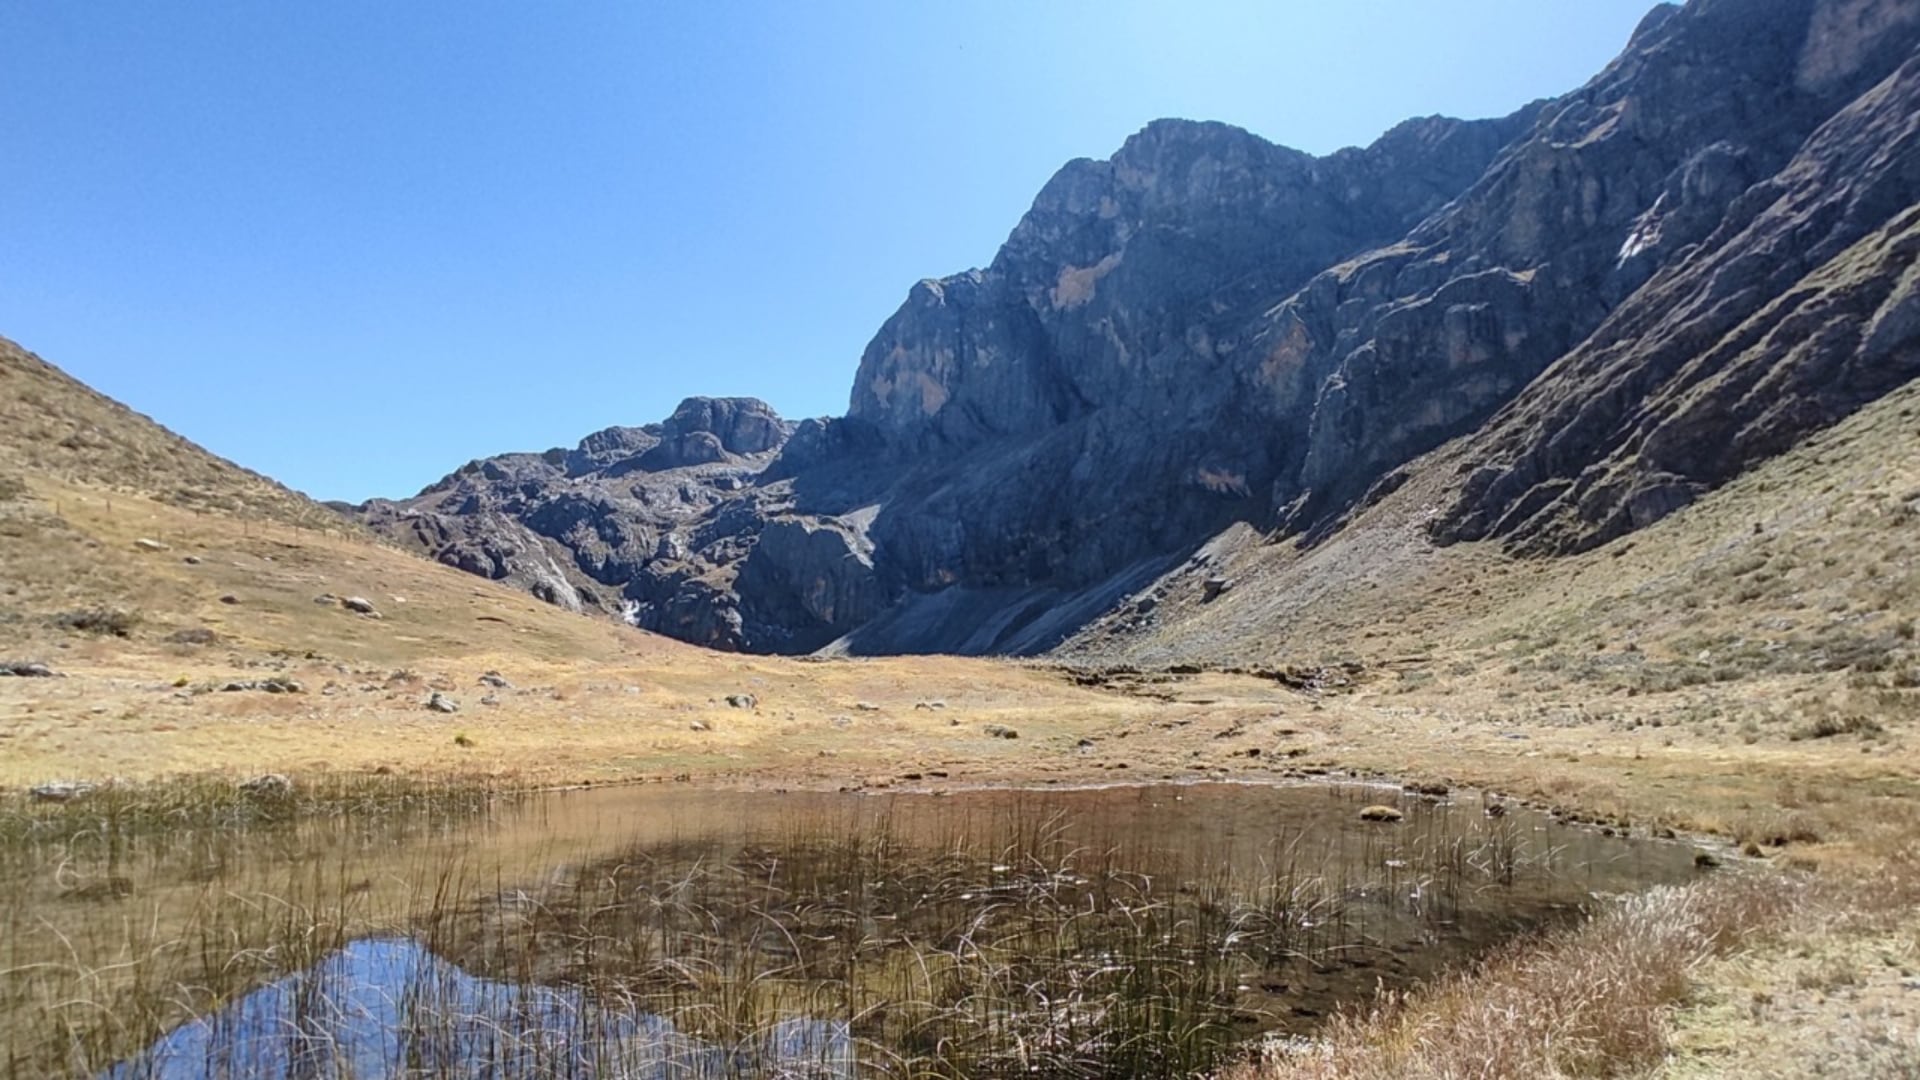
1624	295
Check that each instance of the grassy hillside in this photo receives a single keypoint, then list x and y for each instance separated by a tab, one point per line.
1746	668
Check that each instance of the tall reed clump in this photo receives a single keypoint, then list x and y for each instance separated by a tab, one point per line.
132	908
1022	940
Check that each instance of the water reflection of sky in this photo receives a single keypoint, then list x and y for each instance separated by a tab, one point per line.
388	1008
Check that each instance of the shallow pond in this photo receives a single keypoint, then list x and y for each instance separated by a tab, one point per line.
672	932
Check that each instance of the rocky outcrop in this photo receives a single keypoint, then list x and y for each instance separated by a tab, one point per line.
1623	295
1801	305
656	524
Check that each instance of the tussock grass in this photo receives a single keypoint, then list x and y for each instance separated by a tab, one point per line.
1598	1000
1590	1002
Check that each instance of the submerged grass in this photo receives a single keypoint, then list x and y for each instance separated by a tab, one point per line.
939	942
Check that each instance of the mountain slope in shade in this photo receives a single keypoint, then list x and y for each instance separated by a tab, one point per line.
1628	294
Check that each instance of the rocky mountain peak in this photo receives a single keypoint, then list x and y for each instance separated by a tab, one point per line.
1616	297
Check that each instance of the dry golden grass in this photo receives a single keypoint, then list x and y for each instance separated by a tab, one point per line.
1591	1002
1760	684
590	699
56	427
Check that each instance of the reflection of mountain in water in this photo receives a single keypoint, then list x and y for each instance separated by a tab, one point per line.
386	1007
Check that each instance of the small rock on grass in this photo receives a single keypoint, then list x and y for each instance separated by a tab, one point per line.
700	725
24	670
1000	731
359	605
1381	813
59	791
742	701
147	544
441	703
268	786
274	685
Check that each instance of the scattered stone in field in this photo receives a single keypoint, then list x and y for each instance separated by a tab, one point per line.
840	721
25	670
1000	731
1213	587
1381	813
193	635
191	560
1083	745
1496	809
229	599
147	544
1753	851
1433	788
59	791
359	605
490	700
929	704
866	706
326	599
463	740
1705	860
1665	833
742	701
699	725
911	776
497	680
441	703
268	786
274	685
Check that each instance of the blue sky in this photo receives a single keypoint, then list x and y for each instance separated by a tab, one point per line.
353	244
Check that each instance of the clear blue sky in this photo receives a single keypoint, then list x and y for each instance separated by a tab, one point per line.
354	243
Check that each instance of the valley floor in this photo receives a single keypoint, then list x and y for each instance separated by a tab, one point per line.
1744	673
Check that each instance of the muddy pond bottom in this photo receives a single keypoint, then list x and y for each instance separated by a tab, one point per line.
652	932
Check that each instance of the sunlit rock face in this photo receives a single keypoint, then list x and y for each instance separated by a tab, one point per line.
1621	296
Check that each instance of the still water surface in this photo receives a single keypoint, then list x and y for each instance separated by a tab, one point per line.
661	932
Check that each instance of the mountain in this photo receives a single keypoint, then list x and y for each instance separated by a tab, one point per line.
1586	315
